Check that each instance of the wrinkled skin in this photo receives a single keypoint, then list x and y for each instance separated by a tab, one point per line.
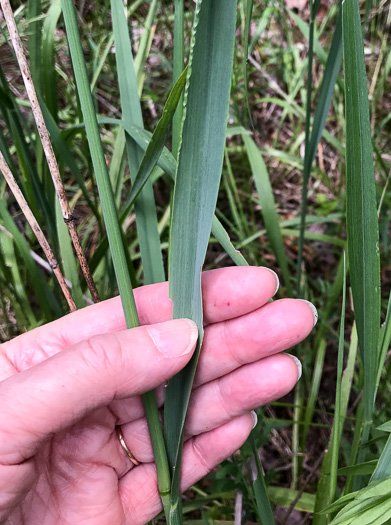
65	386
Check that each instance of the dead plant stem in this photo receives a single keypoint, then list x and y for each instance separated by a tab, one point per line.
47	146
13	185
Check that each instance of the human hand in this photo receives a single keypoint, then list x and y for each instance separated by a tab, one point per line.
65	386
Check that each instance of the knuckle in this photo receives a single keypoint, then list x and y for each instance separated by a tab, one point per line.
104	353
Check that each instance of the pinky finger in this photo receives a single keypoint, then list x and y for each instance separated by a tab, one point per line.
138	489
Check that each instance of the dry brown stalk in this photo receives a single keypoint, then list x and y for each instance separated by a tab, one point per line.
47	146
13	185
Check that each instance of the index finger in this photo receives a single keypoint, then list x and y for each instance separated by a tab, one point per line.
227	293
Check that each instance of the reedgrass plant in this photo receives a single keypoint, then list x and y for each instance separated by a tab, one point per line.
177	134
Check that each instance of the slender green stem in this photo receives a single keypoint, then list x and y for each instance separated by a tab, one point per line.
307	165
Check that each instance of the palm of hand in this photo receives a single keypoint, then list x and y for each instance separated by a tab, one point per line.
78	472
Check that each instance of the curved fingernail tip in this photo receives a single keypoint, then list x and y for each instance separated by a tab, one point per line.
313	310
275	277
298	364
255	418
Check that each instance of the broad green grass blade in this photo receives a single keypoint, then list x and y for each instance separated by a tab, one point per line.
159	136
371	505
361	219
131	111
268	208
197	183
383	469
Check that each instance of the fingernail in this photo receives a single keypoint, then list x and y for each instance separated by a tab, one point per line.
313	310
275	277
255	418
174	338
298	364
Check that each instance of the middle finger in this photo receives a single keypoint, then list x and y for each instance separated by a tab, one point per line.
228	345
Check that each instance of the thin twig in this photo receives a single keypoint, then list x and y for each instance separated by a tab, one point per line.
13	185
47	146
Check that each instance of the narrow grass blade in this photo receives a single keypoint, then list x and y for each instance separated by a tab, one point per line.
263	21
48	72
332	69
13	280
145	42
337	428
384	338
35	38
31	184
99	163
268	208
49	305
235	202
101	62
361	219
113	230
249	11
222	237
117	166
306	172
159	136
131	110
304	29
66	155
178	65
323	490
264	509
197	182
322	327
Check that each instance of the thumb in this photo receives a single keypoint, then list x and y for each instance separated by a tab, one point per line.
61	390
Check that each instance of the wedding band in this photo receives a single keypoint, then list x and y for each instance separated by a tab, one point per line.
125	447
